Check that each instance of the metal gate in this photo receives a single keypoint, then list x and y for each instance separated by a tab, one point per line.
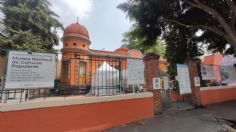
172	98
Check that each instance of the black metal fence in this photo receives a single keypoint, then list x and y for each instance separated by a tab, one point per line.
81	75
93	75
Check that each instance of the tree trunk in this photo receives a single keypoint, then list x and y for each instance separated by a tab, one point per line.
228	30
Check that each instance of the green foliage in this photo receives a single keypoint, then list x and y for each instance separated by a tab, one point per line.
29	25
159	48
142	12
178	22
134	40
181	46
216	18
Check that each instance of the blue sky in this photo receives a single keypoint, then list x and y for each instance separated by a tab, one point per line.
104	21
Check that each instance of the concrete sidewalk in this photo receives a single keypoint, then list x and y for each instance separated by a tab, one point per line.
208	119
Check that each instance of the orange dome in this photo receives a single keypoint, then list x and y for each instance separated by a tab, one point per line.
122	50
76	29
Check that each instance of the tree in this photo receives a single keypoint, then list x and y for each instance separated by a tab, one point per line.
133	39
181	46
216	18
159	48
29	25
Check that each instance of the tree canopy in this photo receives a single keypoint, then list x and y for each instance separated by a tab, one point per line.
134	40
29	25
181	46
216	18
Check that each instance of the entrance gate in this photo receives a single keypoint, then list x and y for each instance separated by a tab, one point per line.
178	96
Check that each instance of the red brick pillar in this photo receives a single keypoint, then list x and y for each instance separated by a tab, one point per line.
193	72
152	70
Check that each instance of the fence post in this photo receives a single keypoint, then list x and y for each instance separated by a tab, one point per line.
152	70
194	72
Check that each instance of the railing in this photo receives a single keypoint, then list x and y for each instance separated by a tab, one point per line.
101	76
24	95
18	95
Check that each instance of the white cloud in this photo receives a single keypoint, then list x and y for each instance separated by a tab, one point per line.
81	7
60	45
69	10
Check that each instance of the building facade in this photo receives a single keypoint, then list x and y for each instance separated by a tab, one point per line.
80	62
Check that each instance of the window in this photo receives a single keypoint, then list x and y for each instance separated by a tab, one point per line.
66	44
83	45
82	68
66	69
74	44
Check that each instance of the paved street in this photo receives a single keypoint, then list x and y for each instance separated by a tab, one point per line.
208	119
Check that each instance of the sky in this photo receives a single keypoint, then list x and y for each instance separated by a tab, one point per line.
104	22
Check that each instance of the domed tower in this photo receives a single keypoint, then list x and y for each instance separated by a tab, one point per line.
75	54
76	39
